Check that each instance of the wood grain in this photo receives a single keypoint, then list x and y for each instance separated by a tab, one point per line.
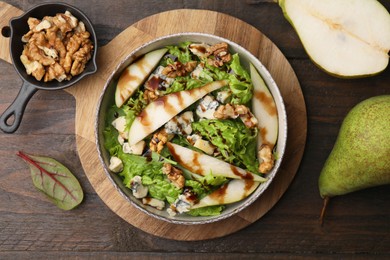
357	225
88	91
87	94
6	13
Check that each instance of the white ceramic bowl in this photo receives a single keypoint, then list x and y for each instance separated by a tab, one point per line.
107	100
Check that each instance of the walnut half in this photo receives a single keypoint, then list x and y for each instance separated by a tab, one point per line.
178	69
174	175
266	158
234	111
158	141
218	54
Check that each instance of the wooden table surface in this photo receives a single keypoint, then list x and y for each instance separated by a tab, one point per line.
357	225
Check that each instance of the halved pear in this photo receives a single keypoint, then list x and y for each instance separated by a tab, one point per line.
203	164
135	74
346	38
264	109
165	108
233	191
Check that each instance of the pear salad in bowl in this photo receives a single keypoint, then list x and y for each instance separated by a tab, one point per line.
191	133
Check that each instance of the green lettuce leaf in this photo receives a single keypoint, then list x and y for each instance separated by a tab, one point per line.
184	83
182	52
150	171
235	141
240	82
215	73
197	187
111	141
207	211
212	180
163	190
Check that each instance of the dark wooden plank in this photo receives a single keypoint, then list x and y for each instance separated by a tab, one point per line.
357	225
178	256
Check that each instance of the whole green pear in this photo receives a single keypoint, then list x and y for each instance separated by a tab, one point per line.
361	155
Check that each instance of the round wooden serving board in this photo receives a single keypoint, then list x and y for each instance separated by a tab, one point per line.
87	93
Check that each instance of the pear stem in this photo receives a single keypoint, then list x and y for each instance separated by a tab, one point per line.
326	201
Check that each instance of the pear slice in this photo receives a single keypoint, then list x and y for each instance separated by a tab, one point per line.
165	108
264	109
135	74
346	38
203	164
233	191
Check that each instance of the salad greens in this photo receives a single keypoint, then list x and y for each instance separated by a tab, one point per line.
235	141
228	139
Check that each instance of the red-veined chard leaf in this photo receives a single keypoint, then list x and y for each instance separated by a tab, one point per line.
54	180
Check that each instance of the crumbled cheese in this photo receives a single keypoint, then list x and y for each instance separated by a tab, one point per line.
206	108
166	81
155	203
193	138
205	146
139	190
136	149
222	96
172	127
121	140
195	74
171	212
180	124
120	125
116	164
181	204
198	142
126	147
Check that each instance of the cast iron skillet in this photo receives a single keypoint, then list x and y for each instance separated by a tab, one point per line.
19	27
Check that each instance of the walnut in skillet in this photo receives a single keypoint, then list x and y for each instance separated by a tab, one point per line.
56	47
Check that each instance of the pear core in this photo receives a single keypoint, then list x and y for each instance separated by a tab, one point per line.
345	38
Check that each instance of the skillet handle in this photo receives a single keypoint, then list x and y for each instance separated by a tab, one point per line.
16	109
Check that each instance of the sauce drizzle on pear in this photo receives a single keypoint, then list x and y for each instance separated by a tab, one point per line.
267	101
220	194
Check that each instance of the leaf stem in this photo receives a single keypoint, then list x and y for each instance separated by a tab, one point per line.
322	215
